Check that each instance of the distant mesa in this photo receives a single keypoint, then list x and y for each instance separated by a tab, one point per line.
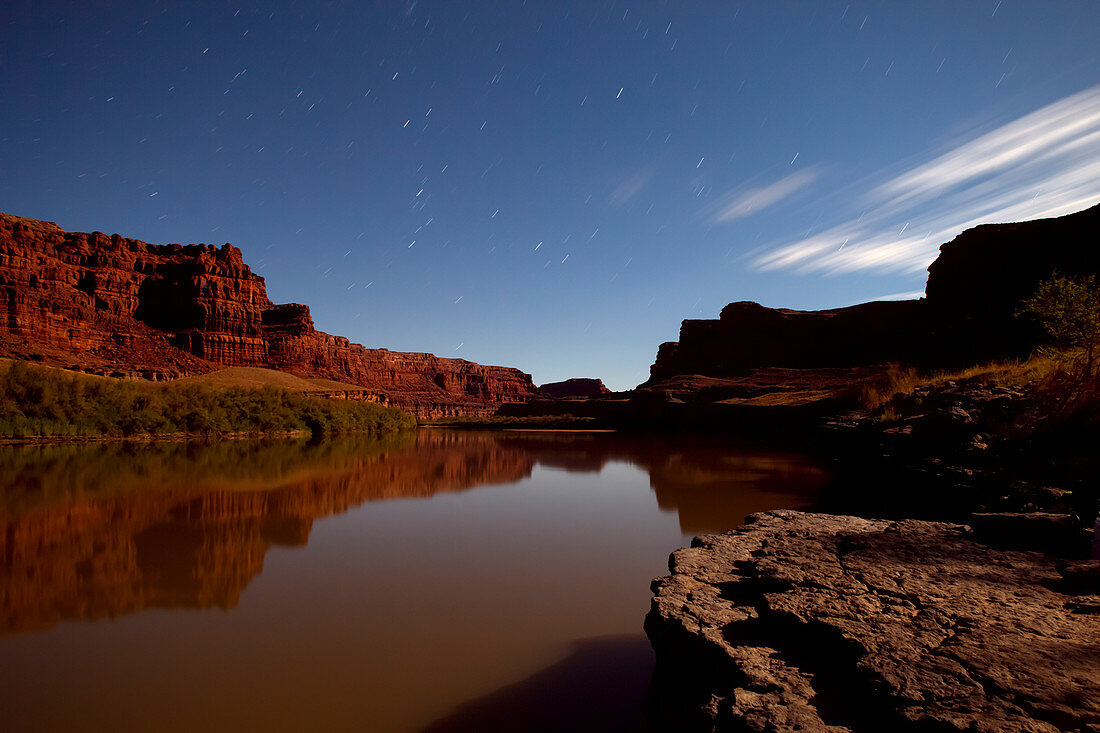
748	335
576	387
121	307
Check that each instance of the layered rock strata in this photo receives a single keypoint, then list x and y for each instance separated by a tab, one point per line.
113	305
814	622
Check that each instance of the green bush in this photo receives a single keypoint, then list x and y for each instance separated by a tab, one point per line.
1069	310
39	401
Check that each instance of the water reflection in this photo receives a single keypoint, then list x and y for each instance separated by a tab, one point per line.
711	484
95	531
424	605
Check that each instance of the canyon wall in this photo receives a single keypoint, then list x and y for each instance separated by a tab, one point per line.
748	335
119	306
968	315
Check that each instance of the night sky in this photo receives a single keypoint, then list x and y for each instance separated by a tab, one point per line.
551	185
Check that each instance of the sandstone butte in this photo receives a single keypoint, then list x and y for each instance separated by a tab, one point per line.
576	387
122	307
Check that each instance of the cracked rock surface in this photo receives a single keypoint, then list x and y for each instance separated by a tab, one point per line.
814	622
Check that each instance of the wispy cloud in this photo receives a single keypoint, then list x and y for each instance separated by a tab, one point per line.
741	202
631	187
909	295
1044	164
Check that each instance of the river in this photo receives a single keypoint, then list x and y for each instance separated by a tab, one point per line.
436	581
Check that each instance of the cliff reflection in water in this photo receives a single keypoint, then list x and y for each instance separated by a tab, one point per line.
96	531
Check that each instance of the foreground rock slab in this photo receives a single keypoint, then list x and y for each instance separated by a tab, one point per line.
814	622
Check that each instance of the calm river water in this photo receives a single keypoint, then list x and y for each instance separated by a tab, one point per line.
442	581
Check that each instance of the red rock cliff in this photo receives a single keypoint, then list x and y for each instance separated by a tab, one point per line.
121	306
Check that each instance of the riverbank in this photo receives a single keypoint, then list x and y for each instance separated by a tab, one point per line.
958	597
947	450
156	438
44	403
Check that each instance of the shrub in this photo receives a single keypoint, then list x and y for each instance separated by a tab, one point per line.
1068	309
897	379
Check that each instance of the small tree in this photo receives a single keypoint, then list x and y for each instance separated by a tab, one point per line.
1069	310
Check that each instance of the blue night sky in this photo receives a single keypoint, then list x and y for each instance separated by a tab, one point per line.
551	185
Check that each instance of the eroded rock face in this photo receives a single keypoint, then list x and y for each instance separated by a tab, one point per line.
814	622
114	305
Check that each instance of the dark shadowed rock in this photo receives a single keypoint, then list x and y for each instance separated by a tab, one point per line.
814	622
1026	530
748	335
1082	576
969	315
986	271
576	387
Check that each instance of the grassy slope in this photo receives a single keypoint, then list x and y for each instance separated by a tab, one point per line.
257	377
45	401
902	380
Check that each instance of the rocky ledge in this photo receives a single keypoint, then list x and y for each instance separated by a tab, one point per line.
814	622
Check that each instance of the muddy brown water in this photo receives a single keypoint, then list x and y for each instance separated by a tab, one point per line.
437	581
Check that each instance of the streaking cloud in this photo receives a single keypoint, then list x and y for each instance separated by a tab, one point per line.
739	203
1044	164
908	295
630	188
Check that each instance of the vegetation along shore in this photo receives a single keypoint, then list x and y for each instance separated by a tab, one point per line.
44	402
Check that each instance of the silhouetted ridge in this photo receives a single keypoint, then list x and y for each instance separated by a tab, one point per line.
974	290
